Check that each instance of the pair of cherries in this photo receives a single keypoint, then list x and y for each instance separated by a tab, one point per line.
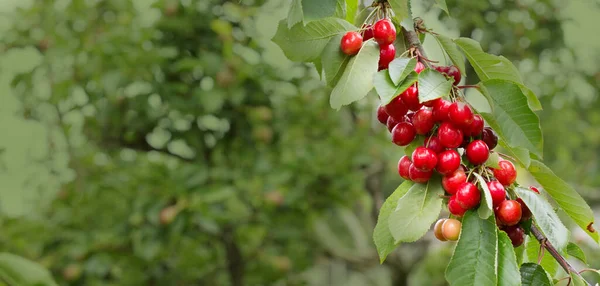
384	33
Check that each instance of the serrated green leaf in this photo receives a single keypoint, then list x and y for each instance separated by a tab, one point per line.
534	102
400	68
488	66
443	6
318	9
416	211
357	79
508	269
532	251
334	61
474	259
16	270
305	43
319	67
295	14
511	117
351	9
401	9
340	9
410	148
575	251
493	160
453	52
545	217
387	90
433	85
485	209
534	275
566	197
521	155
384	241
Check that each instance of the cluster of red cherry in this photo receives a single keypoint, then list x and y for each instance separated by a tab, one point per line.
384	33
451	128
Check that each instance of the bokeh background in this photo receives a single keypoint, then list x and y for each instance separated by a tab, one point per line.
170	142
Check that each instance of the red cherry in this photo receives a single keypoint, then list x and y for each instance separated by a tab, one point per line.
403	166
516	235
475	128
525	211
454	72
423	121
386	55
441	69
468	195
497	192
477	152
410	98
509	212
419	67
440	110
449	135
448	162
409	117
396	108
351	43
367	33
384	32
424	159
452	181
391	123
431	103
433	143
506	174
455	208
460	114
417	175
534	189
382	116
489	137
403	134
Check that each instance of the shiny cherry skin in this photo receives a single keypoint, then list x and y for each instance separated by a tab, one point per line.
382	116
351	43
448	162
396	108
452	181
534	189
419	176
391	123
410	98
460	114
506	174
433	143
403	134
419	67
509	212
468	196
475	128
437	230
451	229
423	121
454	208
449	135
516	235
453	71
477	152
431	103
525	211
384	32
489	136
424	159
403	166
440	110
386	55
367	32
497	192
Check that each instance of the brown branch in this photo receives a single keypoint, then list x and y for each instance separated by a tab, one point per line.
550	248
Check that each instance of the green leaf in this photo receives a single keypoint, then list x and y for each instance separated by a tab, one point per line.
575	251
317	9
387	90
577	280
417	210
384	241
545	217
521	155
532	249
305	43
410	148
433	85
334	61
295	14
357	79
401	9
351	9
16	270
566	197
453	52
400	68
534	102
511	117
474	258
534	275
486	208
340	9
508	269
493	160
488	66
319	67
443	6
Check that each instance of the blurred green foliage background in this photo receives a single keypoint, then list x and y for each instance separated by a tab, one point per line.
170	142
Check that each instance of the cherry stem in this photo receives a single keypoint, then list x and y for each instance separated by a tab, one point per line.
467	86
550	248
